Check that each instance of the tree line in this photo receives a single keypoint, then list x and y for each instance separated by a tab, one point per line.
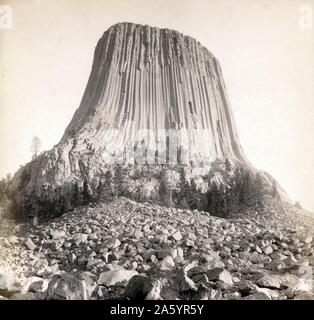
49	201
4	185
239	190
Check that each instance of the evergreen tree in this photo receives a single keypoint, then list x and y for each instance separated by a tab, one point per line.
36	146
213	196
233	198
298	205
164	190
27	205
108	185
118	181
274	192
104	189
3	188
222	209
100	191
76	197
203	205
259	189
195	196
33	213
184	191
68	204
4	185
245	188
86	196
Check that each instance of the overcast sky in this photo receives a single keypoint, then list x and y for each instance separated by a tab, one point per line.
265	49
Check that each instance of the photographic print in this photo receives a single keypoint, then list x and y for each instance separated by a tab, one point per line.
156	150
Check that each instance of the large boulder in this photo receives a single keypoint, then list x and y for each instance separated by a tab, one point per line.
138	287
112	277
70	286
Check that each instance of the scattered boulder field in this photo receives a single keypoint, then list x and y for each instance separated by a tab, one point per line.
135	251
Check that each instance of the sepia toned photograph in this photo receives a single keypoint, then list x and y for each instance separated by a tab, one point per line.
156	150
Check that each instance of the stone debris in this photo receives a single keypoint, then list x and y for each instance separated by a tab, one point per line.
90	254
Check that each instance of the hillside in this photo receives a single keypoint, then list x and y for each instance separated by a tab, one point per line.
130	250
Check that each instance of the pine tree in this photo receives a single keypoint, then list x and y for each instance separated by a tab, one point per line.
100	191
203	205
164	190
118	181
213	196
86	197
184	192
68	205
233	198
108	185
274	192
245	191
298	205
76	197
259	189
3	187
34	204
27	205
194	198
36	146
61	204
223	210
104	189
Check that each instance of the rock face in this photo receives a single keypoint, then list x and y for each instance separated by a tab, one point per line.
154	95
150	78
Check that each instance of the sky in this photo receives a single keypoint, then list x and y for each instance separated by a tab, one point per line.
265	48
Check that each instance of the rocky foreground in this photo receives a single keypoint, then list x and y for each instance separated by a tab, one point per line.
129	250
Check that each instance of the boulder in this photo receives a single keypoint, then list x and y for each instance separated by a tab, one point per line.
138	287
79	238
191	236
69	286
138	234
177	236
189	243
36	284
219	274
9	283
30	245
57	234
307	239
166	264
111	278
268	250
269	281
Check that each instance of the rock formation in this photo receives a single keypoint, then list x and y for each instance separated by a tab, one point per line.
152	94
150	78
